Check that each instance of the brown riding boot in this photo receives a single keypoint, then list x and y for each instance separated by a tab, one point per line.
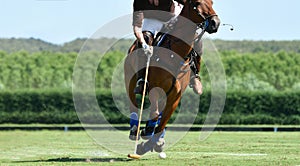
196	84
195	81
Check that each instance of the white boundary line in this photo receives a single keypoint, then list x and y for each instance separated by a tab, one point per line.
221	153
241	154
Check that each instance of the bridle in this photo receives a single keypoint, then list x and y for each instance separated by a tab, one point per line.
204	25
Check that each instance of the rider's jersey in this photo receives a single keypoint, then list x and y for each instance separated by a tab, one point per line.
141	10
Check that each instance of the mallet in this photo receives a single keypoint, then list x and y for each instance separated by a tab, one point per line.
136	156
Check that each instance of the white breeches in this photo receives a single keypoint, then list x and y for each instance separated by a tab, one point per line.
152	25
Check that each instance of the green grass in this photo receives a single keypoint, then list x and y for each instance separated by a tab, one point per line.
221	148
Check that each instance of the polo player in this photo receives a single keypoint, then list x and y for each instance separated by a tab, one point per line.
146	25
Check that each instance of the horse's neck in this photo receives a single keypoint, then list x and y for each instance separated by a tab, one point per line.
186	24
185	31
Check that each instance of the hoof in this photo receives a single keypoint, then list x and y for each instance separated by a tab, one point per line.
156	143
159	145
143	148
140	150
133	133
147	133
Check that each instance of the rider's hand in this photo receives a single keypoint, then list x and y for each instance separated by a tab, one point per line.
147	49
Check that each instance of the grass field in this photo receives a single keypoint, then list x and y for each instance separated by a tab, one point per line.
221	148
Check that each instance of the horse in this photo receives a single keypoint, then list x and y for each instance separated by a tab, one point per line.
171	61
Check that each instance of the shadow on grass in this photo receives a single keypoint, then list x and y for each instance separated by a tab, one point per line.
68	159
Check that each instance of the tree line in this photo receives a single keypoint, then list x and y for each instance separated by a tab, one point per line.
36	45
262	79
263	71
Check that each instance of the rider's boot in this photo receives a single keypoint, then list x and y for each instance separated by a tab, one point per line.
133	126
195	81
196	84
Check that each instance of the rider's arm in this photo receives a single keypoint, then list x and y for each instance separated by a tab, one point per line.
139	35
138	17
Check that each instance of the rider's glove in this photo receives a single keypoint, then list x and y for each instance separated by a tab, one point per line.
147	49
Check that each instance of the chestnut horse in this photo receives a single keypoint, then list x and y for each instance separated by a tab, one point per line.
169	71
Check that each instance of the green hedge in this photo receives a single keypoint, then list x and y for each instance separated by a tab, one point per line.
57	107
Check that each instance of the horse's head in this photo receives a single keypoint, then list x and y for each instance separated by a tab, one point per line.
202	12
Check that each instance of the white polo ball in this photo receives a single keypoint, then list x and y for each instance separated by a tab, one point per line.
162	155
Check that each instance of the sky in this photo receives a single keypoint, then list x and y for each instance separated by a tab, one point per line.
60	21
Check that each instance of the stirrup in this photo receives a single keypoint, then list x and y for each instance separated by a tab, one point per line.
140	86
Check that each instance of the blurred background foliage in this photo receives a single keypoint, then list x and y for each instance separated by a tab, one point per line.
262	77
275	67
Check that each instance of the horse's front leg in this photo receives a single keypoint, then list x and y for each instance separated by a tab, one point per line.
173	100
148	131
170	107
156	142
